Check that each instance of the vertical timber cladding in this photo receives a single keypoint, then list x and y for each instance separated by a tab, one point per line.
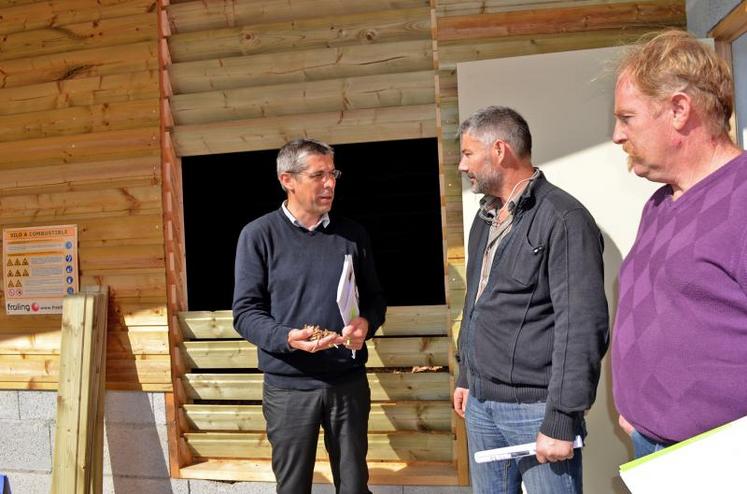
79	144
251	74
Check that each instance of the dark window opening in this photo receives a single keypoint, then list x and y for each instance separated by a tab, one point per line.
391	188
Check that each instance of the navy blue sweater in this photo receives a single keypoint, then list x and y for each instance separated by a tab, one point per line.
286	277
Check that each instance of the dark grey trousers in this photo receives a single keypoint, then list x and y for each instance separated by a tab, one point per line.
293	419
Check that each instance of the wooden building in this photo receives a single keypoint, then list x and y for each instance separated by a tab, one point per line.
99	101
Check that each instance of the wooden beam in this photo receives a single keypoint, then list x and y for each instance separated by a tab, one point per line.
650	15
413	320
382	352
366	125
55	13
79	36
384	473
384	386
732	26
395	446
301	65
320	32
384	417
347	93
199	15
84	91
450	8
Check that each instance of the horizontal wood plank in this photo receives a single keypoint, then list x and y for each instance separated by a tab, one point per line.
382	352
365	125
400	321
349	93
384	417
651	15
319	32
56	13
384	386
84	91
301	65
198	15
395	446
91	62
78	36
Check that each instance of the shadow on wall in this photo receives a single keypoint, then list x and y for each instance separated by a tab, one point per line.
136	451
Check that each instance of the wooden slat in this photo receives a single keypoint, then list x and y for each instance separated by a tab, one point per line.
91	62
77	202
77	176
571	19
400	321
48	343
323	32
97	146
301	65
83	91
350	93
198	15
384	386
448	8
366	125
384	417
71	37
382	352
78	120
107	258
451	53
395	446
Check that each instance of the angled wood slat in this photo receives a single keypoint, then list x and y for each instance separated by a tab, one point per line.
54	13
615	16
84	91
384	417
396	446
91	62
400	321
79	120
71	37
384	386
301	65
349	93
380	472
321	32
365	125
382	352
199	16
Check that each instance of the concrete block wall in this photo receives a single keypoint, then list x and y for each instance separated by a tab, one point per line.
135	449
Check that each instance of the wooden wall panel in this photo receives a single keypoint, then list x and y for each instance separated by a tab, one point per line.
80	144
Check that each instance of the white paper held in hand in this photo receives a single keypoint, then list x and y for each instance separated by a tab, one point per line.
514	452
347	292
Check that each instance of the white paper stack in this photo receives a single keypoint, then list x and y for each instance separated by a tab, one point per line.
347	292
513	452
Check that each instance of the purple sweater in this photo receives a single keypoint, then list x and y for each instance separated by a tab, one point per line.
679	354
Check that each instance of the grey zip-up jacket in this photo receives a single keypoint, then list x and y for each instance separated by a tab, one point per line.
540	329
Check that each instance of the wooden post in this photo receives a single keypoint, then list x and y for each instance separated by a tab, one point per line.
79	441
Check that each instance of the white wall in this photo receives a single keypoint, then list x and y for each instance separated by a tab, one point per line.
739	58
567	99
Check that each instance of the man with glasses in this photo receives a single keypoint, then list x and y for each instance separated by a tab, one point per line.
535	324
288	265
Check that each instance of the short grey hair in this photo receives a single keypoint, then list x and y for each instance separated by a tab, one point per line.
499	122
292	156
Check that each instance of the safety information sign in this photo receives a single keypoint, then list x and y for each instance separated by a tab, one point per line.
40	267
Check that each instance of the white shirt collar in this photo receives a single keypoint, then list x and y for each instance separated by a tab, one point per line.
324	220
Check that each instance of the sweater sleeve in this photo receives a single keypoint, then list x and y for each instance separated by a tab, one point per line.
372	302
251	300
581	326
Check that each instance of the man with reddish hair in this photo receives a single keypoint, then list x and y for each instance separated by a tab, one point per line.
679	355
